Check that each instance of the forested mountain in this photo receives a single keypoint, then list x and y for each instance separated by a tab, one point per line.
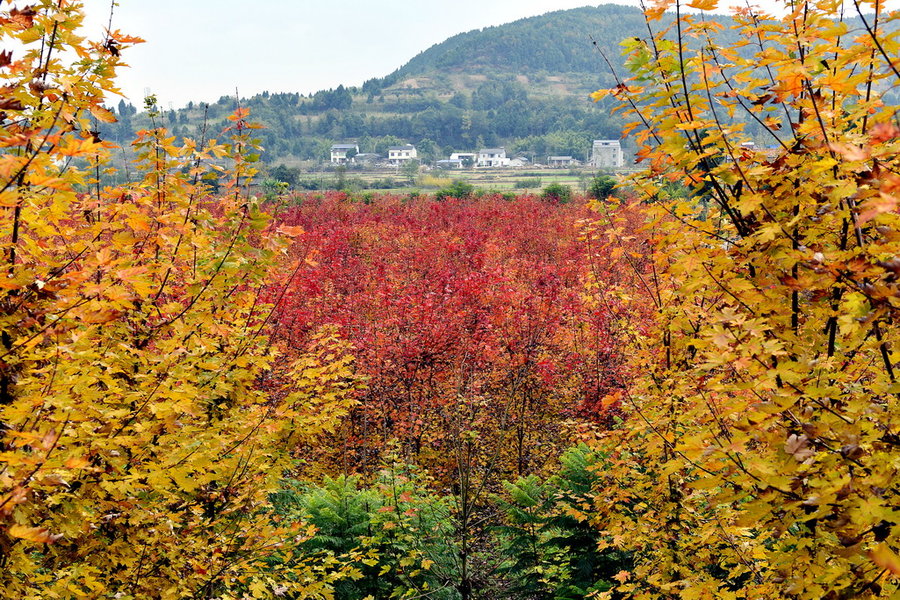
556	43
523	85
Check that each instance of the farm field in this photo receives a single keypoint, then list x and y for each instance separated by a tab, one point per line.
429	180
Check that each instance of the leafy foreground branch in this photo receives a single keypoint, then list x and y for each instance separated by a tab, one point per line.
761	458
141	428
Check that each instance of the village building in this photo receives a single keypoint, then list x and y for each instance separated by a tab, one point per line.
400	154
470	157
343	153
607	154
449	163
367	158
561	161
492	157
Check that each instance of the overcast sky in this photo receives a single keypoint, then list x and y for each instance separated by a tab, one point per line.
203	49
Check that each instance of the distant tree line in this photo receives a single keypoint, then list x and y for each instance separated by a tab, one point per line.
497	113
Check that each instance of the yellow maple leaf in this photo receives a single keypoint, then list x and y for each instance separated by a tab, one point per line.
38	535
884	557
622	576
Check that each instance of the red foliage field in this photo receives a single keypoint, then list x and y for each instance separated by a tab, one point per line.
469	319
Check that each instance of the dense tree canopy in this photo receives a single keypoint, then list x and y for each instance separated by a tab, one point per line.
144	413
760	458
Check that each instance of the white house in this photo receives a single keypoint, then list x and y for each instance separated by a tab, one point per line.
607	153
470	157
340	152
400	154
492	157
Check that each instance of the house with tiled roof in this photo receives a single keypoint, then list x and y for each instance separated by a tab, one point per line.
343	153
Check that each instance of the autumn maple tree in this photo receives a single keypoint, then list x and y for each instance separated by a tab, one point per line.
761	453
482	356
468	321
144	413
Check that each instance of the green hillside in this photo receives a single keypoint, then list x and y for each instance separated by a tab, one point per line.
556	43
